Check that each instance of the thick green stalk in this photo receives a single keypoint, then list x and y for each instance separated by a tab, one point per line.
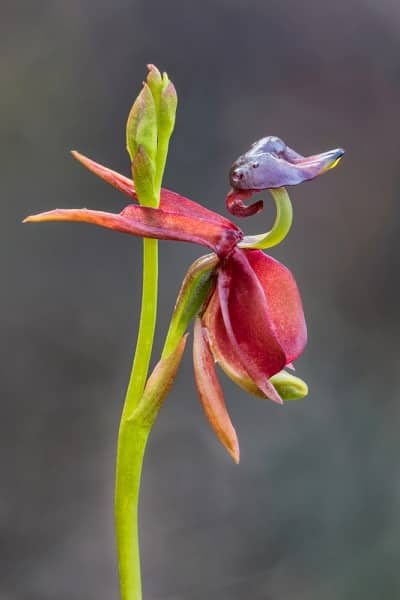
131	446
147	326
133	436
149	128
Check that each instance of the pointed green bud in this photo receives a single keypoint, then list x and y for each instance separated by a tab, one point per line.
141	127
289	386
150	125
143	171
155	83
168	104
166	122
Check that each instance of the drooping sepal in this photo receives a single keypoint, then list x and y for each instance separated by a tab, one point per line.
210	392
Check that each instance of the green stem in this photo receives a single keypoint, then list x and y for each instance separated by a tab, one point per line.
148	316
162	152
135	427
148	130
131	446
281	227
133	436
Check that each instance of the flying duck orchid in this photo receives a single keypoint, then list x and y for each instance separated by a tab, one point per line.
251	320
246	307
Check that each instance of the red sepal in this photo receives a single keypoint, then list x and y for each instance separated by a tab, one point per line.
210	392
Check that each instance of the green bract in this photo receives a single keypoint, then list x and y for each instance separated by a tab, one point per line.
141	127
148	130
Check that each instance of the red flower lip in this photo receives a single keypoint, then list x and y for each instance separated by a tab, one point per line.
255	318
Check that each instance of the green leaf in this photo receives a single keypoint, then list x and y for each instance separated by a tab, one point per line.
141	127
168	104
155	83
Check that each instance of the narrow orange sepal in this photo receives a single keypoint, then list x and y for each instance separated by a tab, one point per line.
210	392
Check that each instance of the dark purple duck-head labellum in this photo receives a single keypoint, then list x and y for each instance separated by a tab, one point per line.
270	163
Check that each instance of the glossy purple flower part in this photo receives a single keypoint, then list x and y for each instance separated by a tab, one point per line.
269	164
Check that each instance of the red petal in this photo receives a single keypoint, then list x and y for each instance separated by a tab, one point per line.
169	201
151	223
248	322
210	392
223	351
284	303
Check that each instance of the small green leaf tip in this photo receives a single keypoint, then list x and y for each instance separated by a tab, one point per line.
155	83
141	127
168	104
289	386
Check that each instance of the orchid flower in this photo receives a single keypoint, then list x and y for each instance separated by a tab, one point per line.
246	307
252	323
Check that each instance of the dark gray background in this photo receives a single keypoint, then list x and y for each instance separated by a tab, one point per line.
312	512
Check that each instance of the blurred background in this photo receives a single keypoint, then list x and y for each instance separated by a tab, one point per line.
312	512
